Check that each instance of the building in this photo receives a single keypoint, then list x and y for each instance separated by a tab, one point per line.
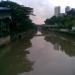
5	19
57	11
67	9
62	14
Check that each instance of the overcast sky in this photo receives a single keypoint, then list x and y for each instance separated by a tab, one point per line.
45	8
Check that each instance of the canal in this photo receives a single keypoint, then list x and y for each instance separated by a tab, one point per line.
49	54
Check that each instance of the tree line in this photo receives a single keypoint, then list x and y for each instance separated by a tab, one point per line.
20	16
66	21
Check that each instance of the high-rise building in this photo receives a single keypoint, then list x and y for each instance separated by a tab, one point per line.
67	9
57	11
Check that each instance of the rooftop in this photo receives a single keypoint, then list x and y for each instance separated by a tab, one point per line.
4	9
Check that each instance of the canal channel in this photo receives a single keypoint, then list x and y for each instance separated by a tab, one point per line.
49	54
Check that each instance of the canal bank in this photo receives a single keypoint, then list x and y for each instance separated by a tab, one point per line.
4	41
18	36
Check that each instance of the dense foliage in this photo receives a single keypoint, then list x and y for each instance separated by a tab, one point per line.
20	16
65	21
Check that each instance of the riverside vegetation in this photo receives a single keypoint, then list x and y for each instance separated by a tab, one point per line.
20	15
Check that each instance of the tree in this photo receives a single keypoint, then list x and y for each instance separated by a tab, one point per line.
20	16
65	21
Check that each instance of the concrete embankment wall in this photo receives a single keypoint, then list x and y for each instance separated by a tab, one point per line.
64	32
67	34
4	41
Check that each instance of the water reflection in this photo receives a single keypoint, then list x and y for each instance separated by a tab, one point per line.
15	60
38	33
51	54
49	61
62	43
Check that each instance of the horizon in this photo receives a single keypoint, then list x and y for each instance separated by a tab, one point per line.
45	8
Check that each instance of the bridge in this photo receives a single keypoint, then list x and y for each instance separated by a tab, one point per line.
40	29
47	27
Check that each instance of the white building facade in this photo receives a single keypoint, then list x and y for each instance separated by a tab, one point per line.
57	11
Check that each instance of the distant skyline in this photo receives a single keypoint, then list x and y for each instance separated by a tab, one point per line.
45	8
